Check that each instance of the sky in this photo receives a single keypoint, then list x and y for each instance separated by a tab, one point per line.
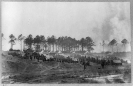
98	20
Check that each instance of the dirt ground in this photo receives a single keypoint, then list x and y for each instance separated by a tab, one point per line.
17	70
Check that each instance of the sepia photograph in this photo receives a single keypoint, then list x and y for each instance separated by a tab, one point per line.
65	43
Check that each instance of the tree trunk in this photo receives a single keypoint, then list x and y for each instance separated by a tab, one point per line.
117	48
11	46
30	46
45	48
21	45
62	48
49	48
112	48
103	48
82	48
78	48
56	47
53	47
124	48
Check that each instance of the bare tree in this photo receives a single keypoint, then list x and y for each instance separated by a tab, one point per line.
21	38
12	40
112	43
103	44
124	42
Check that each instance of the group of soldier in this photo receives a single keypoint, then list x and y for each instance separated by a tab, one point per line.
103	62
37	56
85	61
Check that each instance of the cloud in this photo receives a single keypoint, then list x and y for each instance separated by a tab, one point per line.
99	20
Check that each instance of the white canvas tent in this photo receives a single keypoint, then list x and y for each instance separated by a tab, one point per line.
73	52
116	61
86	52
59	52
42	52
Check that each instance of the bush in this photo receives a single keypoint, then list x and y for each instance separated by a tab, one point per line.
10	49
118	81
13	49
107	52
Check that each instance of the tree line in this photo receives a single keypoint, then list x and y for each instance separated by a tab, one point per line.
63	43
52	43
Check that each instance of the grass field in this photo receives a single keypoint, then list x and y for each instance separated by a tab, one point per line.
17	70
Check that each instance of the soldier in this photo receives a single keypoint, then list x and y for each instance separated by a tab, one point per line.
84	65
38	56
30	57
103	63
27	55
111	62
34	55
43	57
